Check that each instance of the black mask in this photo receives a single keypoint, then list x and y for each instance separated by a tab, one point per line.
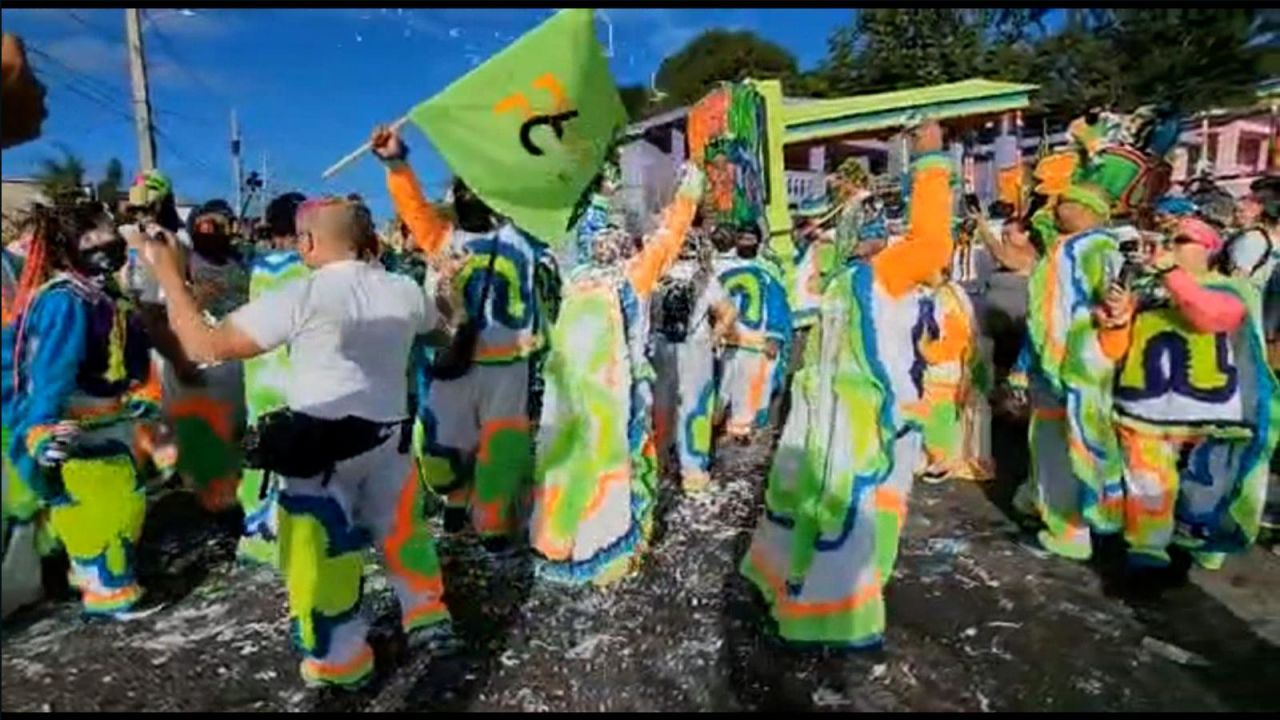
103	259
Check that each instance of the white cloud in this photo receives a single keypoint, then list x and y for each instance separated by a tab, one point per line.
107	60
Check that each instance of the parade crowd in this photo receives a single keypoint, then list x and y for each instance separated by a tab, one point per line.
325	379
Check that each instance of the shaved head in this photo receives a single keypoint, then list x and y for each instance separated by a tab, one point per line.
338	228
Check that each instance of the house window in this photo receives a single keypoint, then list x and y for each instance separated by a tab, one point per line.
1249	153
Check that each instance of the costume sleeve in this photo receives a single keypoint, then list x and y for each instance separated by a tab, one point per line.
1114	342
430	230
663	248
1209	311
55	334
927	247
952	342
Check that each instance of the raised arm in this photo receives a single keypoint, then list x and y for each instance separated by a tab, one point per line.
927	247
663	248
1209	311
429	228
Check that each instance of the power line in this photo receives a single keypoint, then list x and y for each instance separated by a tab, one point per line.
110	92
168	49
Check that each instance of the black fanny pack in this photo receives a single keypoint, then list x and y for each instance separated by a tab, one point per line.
455	360
295	444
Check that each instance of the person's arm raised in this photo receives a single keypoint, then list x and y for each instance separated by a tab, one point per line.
198	340
663	248
430	230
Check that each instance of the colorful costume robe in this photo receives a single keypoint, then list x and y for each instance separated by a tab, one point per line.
956	380
265	379
208	417
749	378
76	355
476	428
596	475
1198	417
837	493
1075	466
685	389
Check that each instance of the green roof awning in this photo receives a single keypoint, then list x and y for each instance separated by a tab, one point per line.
818	119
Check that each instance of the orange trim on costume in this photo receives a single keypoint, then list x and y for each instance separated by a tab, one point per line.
110	596
401	530
925	250
756	387
522	346
547	545
1049	413
888	500
1114	342
429	229
428	608
322	668
952	342
787	607
215	414
519	424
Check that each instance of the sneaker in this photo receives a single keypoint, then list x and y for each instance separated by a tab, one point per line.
437	639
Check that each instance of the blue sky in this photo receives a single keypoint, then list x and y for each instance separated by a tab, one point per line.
308	84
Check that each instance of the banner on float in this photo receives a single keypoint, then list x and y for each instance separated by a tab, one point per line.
528	130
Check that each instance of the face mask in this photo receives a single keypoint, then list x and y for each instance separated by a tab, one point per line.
103	260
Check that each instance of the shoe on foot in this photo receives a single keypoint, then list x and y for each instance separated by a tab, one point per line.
435	639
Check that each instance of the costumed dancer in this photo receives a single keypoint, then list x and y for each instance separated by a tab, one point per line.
814	263
266	377
476	429
341	447
837	492
1197	409
207	409
956	378
692	316
596	477
1075	336
76	383
753	365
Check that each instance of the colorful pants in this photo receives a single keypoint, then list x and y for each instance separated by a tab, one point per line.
20	580
325	526
476	449
684	403
746	386
840	601
1057	494
208	420
258	498
1151	490
98	516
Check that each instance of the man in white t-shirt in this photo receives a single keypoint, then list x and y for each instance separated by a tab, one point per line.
349	327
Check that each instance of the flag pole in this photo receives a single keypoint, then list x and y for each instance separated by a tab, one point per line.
355	154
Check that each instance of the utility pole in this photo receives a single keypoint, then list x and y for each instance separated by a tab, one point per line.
141	95
237	170
266	184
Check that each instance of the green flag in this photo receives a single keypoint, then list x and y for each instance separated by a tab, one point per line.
529	129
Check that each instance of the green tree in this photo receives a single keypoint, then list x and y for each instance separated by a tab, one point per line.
716	56
109	188
1192	58
635	98
891	49
61	179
